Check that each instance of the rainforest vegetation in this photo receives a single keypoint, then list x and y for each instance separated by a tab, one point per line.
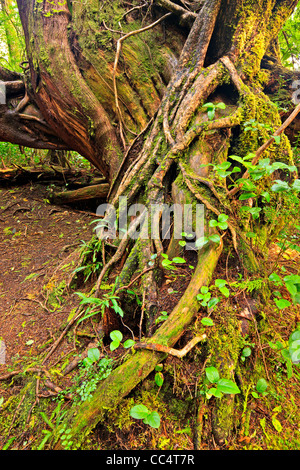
110	337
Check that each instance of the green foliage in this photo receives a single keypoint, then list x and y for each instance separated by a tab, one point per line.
211	109
91	263
151	418
11	36
116	337
216	386
289	351
97	306
292	285
93	369
171	264
289	39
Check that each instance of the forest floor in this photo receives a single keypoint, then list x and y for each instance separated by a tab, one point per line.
37	243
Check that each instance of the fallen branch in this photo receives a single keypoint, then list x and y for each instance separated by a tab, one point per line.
82	194
180	353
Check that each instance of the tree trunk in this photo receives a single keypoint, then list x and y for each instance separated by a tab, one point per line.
131	102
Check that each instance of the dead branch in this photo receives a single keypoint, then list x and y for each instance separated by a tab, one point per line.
180	353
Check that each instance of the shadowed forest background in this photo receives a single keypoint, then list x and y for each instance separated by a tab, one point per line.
129	342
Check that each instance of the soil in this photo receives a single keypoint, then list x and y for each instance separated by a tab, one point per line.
35	239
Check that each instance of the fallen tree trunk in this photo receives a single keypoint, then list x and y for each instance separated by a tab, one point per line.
20	175
82	194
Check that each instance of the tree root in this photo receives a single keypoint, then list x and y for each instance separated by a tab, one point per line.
180	353
123	379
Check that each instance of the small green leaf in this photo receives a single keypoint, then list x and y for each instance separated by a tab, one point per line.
211	114
94	354
139	412
224	291
245	196
159	379
128	343
282	303
221	105
201	242
153	419
178	260
220	283
206	321
213	223
266	196
246	352
277	425
223	218
227	386
296	185
280	186
261	385
208	106
213	302
212	374
116	335
114	345
215	238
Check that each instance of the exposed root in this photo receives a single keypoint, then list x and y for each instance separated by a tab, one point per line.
137	367
180	353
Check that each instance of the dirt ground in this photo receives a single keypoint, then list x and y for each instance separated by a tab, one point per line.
35	238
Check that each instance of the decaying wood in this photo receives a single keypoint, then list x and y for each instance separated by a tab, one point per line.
90	192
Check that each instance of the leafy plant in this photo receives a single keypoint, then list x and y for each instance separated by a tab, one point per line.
246	352
93	369
292	285
260	388
151	418
171	264
205	298
206	321
211	109
164	316
219	386
289	351
98	305
221	223
116	337
159	377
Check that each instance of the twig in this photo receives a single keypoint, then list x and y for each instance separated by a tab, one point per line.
173	352
58	341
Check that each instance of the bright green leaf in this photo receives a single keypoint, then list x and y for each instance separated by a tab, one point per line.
212	374
227	386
